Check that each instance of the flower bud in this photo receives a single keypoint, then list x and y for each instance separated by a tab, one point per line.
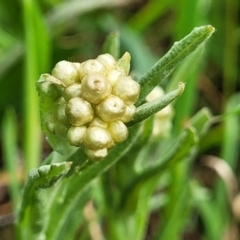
95	88
79	111
114	75
155	93
67	72
96	155
111	108
98	122
91	66
129	113
75	135
118	131
77	65
108	60
72	91
97	138
127	89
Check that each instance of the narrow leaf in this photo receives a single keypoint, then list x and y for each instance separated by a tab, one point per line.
179	51
78	182
112	44
148	109
180	149
9	148
42	177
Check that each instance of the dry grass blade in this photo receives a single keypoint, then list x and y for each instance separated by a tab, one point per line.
224	172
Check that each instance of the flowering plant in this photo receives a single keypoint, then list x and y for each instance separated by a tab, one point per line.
97	117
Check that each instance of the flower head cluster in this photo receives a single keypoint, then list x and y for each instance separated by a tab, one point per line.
88	103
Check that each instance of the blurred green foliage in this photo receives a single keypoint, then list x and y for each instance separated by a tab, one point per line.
34	35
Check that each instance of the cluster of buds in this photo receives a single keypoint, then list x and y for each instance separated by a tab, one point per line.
88	103
162	124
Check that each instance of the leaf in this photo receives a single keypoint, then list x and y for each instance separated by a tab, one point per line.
112	44
78	182
37	49
9	148
180	149
146	110
31	215
179	51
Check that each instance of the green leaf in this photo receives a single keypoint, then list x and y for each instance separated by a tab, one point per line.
37	49
201	121
32	206
179	51
78	182
9	148
146	110
180	149
112	44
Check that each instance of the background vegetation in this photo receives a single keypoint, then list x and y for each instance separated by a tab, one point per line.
198	198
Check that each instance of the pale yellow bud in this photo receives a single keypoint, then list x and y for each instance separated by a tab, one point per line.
118	131
79	111
75	135
108	60
72	91
155	93
96	155
111	109
95	88
129	113
67	72
127	89
97	138
77	65
98	122
92	66
114	75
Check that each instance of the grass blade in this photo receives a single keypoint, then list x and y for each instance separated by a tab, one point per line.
179	51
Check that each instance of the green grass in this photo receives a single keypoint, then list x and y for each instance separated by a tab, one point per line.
159	182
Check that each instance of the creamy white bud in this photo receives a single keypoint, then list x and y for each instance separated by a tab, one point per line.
108	60
155	93
127	89
91	66
72	91
67	72
95	88
165	114
111	109
98	122
114	75
129	113
79	111
77	65
75	135
118	131
59	111
96	155
97	138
